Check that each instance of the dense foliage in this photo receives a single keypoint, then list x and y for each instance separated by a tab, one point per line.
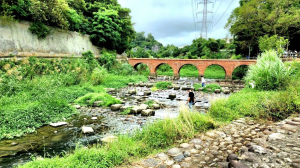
269	72
108	24
148	47
35	92
256	18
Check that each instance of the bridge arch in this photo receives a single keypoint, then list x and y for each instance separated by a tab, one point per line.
166	70
192	66
240	71
216	68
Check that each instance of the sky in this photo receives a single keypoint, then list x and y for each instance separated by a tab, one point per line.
172	21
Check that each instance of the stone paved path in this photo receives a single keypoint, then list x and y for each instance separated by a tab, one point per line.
241	144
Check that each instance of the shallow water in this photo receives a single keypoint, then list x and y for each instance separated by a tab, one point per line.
49	141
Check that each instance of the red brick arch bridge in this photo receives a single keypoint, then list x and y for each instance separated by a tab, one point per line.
201	64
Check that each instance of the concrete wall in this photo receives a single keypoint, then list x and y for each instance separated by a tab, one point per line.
16	39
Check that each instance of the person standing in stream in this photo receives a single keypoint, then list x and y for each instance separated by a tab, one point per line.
191	99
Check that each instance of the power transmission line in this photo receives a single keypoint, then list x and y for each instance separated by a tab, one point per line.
224	12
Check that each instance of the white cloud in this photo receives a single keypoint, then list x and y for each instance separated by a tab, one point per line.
171	21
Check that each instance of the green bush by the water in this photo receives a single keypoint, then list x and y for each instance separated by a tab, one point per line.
212	88
269	72
197	86
163	85
90	98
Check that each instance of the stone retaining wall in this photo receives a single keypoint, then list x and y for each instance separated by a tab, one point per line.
17	40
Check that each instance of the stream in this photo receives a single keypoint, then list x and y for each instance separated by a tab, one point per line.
49	141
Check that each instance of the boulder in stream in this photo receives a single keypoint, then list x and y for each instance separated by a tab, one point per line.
132	92
172	96
123	108
149	85
147	93
58	124
97	103
217	90
116	107
87	130
176	87
148	112
156	106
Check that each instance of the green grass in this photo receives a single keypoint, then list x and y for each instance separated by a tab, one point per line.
151	139
212	88
106	99
163	85
197	86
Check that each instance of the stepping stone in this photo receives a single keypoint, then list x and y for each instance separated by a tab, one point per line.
258	149
116	107
86	130
174	152
58	124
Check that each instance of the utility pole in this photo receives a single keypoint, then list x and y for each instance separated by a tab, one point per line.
202	9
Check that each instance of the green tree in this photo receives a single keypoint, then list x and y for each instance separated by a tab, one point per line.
267	43
256	18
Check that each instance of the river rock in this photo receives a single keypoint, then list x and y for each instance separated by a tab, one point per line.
132	92
172	96
185	145
149	85
123	108
144	106
162	156
136	84
130	84
94	118
86	130
258	149
77	106
196	141
156	106
97	103
135	110
185	88
58	124
109	139
170	87
147	93
142	84
223	164
232	157
276	136
289	127
174	152
237	164
296	119
148	112
217	90
116	107
110	89
176	87
179	158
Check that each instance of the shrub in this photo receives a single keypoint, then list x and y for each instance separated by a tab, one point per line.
212	86
107	60
39	29
90	98
197	86
269	72
163	85
98	76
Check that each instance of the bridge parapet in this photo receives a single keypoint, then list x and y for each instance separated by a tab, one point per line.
201	64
